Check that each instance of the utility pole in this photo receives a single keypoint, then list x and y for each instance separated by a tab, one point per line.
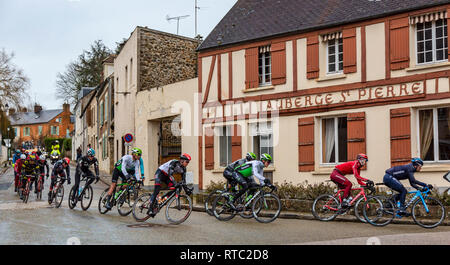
178	20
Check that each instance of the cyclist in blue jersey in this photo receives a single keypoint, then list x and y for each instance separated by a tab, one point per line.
395	174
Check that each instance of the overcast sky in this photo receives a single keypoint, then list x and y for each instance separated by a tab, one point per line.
46	35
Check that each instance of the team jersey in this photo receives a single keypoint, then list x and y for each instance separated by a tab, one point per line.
30	167
129	167
58	169
173	166
235	164
84	163
252	168
405	172
351	167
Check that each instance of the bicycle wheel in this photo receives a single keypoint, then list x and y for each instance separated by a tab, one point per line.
209	201
266	208
141	206
431	218
124	204
71	202
178	209
247	212
325	207
102	202
86	198
378	210
59	196
26	192
39	190
222	211
358	209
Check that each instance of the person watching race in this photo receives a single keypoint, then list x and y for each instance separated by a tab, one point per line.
165	174
83	165
351	167
395	174
62	169
228	172
243	175
126	168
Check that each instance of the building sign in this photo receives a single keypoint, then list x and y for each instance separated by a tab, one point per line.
359	95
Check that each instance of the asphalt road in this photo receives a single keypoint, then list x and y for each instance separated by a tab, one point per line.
38	223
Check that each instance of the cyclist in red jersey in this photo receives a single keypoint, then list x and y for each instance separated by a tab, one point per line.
351	167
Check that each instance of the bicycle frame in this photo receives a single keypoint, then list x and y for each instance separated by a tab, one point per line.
421	195
338	194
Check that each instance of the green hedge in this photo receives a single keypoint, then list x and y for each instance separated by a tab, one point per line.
65	144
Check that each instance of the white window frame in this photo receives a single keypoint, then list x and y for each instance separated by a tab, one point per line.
433	41
255	130
336	140
26	132
336	56
435	135
262	66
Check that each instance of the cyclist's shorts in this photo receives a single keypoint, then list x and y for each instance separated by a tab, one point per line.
116	174
161	176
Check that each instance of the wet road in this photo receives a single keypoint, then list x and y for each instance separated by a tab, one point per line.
38	223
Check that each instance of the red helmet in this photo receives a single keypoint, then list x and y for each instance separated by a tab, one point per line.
67	160
362	156
185	156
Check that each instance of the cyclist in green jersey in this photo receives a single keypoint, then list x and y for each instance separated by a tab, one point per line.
228	172
243	175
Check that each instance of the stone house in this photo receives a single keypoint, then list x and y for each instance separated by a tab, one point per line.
79	139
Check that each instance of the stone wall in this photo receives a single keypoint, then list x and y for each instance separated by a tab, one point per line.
165	58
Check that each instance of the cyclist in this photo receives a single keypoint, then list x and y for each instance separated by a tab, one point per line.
228	172
351	167
395	174
17	170
125	168
42	165
165	173
83	165
62	169
243	175
15	157
29	167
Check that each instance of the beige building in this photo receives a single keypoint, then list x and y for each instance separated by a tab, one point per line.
315	94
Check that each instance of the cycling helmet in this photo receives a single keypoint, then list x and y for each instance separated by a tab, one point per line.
250	156
417	161
362	156
136	151
91	152
266	157
42	157
17	151
23	156
185	156
66	160
32	157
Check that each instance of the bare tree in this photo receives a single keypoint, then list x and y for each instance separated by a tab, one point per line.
13	82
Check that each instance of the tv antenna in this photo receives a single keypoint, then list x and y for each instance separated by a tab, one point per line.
178	20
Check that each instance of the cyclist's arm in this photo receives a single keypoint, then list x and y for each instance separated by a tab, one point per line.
258	172
141	162
415	183
47	167
358	177
137	168
124	166
96	168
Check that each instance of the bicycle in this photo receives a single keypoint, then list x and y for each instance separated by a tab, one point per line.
57	194
423	211
85	194
29	179
124	198
327	207
263	204
39	187
178	209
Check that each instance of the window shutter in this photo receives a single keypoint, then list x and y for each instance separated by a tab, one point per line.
251	68
399	43
236	143
306	144
356	134
209	148
349	43
278	51
400	136
312	57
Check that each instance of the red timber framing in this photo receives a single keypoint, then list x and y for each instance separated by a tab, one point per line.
400	136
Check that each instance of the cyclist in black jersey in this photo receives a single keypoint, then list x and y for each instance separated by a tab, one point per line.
83	165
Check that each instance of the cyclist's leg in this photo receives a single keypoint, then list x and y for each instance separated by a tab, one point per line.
395	184
342	182
243	182
159	176
76	184
115	178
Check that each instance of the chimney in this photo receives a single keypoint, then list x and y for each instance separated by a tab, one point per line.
37	108
24	109
66	107
11	111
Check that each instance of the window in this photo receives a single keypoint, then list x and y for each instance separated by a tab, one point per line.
39	130
126	78
335	56
26	131
101	113
334	140
225	145
15	132
434	134
262	138
432	43
54	130
104	153
131	70
265	66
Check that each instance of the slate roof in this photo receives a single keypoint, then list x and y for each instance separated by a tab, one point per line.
25	118
258	19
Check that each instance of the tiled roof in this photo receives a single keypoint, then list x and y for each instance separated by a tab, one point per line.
43	116
258	19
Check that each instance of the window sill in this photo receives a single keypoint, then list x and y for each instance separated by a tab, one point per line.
436	167
427	66
323	171
262	88
332	77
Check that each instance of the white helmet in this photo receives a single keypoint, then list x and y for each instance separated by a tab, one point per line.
42	157
23	156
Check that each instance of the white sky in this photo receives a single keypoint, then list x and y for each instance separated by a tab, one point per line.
46	35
